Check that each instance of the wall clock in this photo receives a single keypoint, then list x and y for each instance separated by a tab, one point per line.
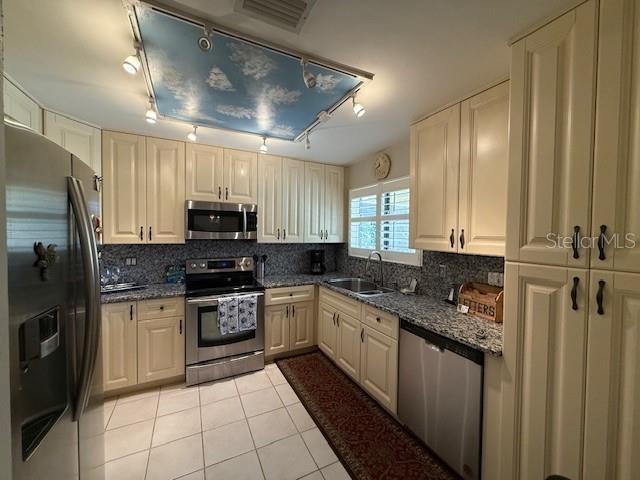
383	165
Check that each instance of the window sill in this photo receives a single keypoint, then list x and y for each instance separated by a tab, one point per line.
414	260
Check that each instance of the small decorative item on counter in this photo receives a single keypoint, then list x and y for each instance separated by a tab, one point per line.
411	289
483	300
175	274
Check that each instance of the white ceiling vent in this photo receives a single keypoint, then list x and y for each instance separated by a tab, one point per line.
287	14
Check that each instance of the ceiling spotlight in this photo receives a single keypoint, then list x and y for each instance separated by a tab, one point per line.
263	147
204	43
192	134
308	77
307	143
131	64
151	116
358	109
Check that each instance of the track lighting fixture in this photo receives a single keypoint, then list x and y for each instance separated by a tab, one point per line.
358	109
308	77
307	143
132	63
151	116
324	116
263	147
192	135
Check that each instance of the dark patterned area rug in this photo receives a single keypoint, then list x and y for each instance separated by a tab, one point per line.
370	443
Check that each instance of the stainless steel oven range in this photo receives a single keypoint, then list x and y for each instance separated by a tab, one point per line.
210	355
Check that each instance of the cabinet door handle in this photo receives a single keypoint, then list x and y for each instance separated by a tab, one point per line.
141	234
378	319
334	318
284	233
601	239
452	238
219	192
326	234
180	326
131	312
278	234
600	297
287	311
462	239
362	335
575	241
293	310
338	319
574	293
226	193
150	236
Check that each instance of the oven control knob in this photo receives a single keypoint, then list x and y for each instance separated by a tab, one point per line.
193	265
203	265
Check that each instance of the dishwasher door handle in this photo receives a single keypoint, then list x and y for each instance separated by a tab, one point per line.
433	346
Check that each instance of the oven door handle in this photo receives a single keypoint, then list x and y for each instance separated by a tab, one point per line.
217	297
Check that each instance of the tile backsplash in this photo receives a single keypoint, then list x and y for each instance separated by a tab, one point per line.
151	261
439	271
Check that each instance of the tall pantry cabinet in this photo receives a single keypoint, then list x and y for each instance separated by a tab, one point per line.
571	392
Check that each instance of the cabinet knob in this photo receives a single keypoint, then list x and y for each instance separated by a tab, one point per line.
161	307
378	319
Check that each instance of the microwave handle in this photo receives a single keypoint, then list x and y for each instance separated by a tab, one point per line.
244	222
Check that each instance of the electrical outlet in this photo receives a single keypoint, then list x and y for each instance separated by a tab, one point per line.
127	261
134	261
443	271
130	261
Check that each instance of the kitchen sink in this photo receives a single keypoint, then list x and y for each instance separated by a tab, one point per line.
363	287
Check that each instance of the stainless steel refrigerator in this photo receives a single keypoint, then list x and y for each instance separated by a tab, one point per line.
54	311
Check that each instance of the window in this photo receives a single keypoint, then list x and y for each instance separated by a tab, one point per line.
379	220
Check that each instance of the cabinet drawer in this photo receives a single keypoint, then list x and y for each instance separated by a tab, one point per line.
278	296
160	308
340	302
381	321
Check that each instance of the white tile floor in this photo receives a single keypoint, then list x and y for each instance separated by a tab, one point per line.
249	427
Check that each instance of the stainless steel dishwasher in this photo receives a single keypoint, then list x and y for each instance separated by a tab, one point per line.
440	396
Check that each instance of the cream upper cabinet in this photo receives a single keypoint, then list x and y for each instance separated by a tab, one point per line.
435	163
379	367
350	335
124	196
327	330
301	325
551	140
160	349
276	329
83	140
612	412
292	200
165	191
323	203
240	176
545	361
270	203
21	108
119	345
204	173
314	204
484	154
616	196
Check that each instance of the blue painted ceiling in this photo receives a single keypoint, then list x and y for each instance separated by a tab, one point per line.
237	85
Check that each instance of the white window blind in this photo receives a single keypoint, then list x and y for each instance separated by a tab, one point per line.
379	220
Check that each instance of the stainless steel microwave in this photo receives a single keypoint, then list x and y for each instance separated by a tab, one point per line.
220	221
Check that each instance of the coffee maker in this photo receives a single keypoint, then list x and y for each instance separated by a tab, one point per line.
317	262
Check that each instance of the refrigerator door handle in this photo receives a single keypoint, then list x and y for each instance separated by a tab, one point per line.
90	267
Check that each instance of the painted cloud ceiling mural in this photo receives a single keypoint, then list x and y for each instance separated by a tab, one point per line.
236	85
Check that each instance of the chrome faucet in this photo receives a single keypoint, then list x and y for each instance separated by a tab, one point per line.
366	269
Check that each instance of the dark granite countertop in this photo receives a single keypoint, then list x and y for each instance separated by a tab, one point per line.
148	292
430	313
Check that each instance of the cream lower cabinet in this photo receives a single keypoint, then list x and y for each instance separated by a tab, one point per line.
142	342
119	345
160	349
365	348
459	169
545	350
289	319
379	367
350	335
323	203
551	141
